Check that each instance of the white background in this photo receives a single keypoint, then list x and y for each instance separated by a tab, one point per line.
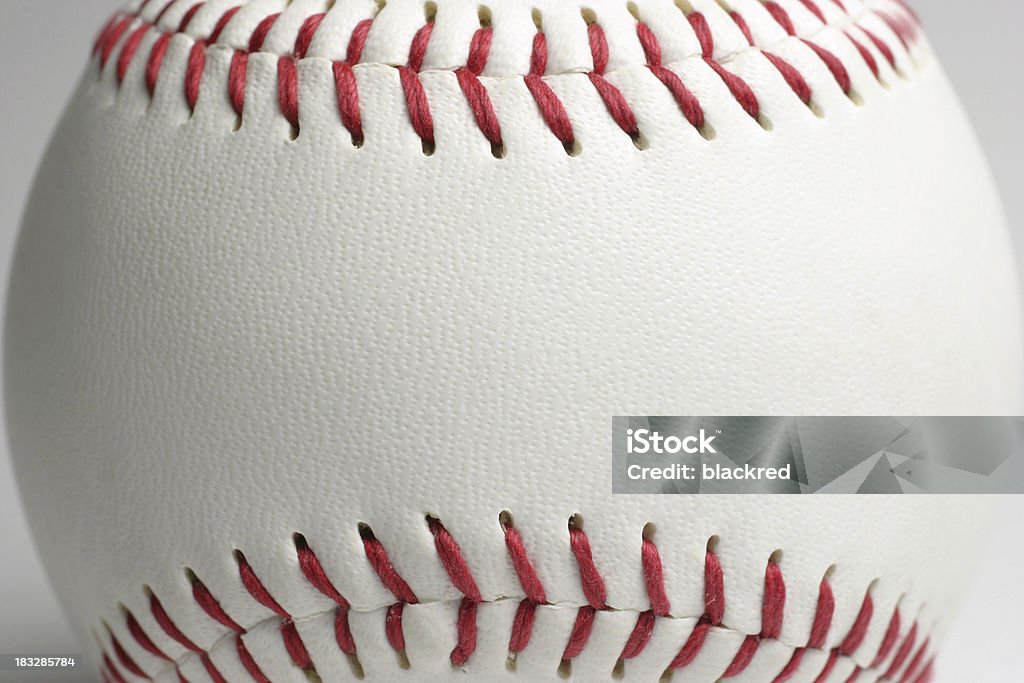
43	47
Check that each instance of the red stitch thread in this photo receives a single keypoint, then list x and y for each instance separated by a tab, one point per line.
188	16
865	54
928	674
194	74
141	638
551	108
131	46
259	36
881	46
462	578
215	611
714	609
789	73
307	33
222	24
345	82
772	611
415	96
452	559
391	580
916	662
686	100
124	658
833	63
315	574
889	640
237	76
903	24
819	631
155	61
393	627
112	670
248	663
902	654
288	90
164	621
111	39
289	634
654	578
737	86
616	104
475	92
522	625
160	15
859	629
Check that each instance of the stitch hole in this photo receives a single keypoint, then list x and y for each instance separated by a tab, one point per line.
829	573
589	16
775	558
765	123
538	18
565	669
365	532
498	150
237	125
649	530
712	546
640	141
619	671
511	662
573	148
293	133
685	7
576	522
429	147
358	141
856	97
430	12
707	131
329	6
816	109
506	520
483	13
633	10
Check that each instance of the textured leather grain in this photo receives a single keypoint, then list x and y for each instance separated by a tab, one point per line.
217	338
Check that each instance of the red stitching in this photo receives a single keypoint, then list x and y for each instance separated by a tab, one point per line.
292	641
892	633
475	92
213	609
168	626
819	631
833	63
462	578
902	654
741	92
901	21
415	96
551	108
686	100
911	663
345	82
616	104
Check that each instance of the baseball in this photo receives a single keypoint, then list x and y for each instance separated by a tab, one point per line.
322	309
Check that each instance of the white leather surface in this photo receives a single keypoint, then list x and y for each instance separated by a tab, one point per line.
216	339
